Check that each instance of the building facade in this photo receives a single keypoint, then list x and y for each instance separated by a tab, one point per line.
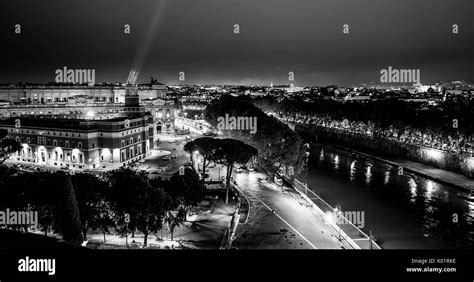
86	103
57	94
80	144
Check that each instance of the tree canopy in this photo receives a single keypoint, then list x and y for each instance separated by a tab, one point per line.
275	142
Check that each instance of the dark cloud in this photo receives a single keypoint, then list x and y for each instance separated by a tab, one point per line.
276	36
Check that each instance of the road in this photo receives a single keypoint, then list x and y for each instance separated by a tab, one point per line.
280	219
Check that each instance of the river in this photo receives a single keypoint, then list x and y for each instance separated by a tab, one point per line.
404	211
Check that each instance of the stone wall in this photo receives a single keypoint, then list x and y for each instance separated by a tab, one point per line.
462	164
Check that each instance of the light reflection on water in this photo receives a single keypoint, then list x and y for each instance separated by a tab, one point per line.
404	211
386	180
353	170
368	174
413	186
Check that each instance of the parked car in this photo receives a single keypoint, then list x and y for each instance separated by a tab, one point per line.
278	180
251	169
166	158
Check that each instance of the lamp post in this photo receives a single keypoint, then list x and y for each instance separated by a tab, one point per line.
337	210
370	239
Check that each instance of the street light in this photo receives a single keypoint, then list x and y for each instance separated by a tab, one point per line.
338	210
220	167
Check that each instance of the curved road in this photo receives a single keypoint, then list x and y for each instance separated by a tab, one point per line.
281	219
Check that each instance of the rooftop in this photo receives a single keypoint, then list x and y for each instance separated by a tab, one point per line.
59	123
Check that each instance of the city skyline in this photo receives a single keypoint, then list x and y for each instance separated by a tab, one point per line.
274	39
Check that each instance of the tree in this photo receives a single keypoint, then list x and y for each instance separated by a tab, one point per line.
44	198
207	149
105	217
94	210
7	146
275	141
186	190
174	219
153	205
230	152
121	194
133	194
68	216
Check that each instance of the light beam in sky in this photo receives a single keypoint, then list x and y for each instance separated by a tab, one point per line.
145	45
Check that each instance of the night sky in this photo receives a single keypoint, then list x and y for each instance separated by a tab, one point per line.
276	37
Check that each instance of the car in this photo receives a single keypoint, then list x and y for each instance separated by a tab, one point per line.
209	133
278	181
238	169
251	169
170	141
64	168
166	158
173	156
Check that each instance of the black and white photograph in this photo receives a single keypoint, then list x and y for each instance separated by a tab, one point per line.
244	140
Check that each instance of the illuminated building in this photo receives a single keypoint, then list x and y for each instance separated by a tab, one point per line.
80	143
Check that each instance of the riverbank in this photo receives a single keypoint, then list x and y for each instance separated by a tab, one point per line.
461	164
458	181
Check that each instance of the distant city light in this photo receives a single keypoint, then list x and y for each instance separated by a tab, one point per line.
90	114
434	154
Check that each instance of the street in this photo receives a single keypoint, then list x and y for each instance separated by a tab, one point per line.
279	218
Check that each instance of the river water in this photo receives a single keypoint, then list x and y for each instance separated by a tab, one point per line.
403	211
